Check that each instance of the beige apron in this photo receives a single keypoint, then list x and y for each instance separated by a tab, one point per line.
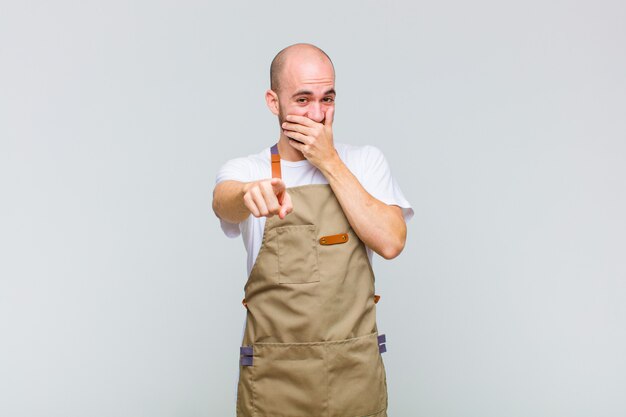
311	346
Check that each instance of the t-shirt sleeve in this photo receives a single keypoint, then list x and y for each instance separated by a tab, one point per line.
237	169
379	182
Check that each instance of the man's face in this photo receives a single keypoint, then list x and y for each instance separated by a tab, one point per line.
307	88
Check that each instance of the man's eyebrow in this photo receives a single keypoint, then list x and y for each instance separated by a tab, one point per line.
310	93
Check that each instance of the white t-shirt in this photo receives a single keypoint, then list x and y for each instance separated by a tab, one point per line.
367	163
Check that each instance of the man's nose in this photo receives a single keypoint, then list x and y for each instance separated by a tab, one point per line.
315	112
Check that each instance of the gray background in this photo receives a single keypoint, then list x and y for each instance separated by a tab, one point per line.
504	123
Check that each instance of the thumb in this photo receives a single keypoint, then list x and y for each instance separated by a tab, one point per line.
329	116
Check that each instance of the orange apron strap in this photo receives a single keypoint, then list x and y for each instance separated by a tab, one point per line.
244	303
275	162
376	298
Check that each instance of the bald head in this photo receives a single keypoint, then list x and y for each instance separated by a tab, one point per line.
286	55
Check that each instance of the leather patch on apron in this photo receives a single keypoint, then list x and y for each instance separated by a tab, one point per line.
334	239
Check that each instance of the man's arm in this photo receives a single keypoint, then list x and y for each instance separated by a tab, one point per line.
234	201
380	226
228	201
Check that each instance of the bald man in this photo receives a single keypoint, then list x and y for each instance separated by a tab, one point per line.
311	212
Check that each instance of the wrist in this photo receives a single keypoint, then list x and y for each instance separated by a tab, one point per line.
332	164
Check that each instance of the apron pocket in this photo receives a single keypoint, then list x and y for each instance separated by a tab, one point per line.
297	254
289	380
356	380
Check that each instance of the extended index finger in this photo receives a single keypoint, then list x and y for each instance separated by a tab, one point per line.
278	185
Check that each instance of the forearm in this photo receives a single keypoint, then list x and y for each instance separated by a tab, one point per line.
228	203
380	226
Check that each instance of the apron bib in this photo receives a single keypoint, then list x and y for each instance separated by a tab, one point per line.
311	346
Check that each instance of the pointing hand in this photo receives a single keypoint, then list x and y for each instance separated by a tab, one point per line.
267	197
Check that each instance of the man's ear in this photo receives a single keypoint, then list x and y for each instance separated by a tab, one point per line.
271	98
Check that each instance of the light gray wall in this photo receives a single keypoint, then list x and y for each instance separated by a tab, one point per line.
504	123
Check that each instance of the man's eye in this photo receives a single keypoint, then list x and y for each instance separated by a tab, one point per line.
301	100
329	99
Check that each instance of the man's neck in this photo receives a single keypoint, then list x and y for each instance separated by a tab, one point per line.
288	152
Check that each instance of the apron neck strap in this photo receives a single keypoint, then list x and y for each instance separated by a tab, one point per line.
275	162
